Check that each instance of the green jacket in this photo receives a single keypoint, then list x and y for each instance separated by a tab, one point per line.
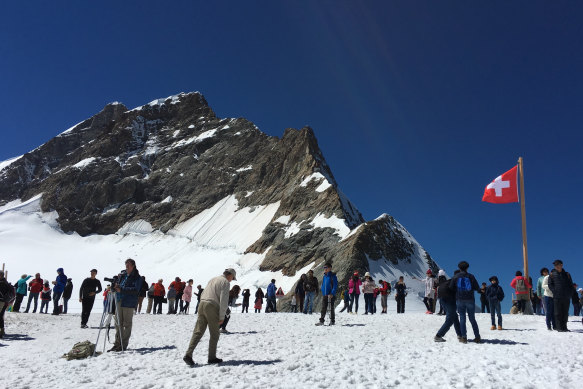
21	285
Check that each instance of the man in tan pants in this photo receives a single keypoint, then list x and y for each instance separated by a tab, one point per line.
213	306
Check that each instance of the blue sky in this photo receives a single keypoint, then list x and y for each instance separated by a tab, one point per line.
417	105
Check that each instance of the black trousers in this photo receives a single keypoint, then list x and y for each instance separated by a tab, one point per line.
17	302
325	304
561	306
87	306
400	304
158	305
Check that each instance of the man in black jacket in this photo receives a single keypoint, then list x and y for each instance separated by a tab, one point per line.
89	288
561	284
464	284
447	301
67	294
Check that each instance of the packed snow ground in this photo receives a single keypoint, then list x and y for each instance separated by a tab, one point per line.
285	350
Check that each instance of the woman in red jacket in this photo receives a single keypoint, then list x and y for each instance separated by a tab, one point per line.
522	289
159	293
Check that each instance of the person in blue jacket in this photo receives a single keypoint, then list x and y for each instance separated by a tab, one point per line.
58	289
329	287
271	290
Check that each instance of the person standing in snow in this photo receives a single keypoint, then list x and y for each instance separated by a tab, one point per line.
300	292
294	303
20	292
6	298
186	296
150	295
213	307
575	300
245	305
142	295
171	298
464	284
35	287
354	290
310	286
385	291
429	292
521	287
45	298
495	295
127	290
483	299
400	294
177	286
89	288
540	291
561	284
548	302
329	286
67	293
368	287
159	293
447	301
271	290
200	290
259	295
58	289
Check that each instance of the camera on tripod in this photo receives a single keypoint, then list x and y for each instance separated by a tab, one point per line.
114	281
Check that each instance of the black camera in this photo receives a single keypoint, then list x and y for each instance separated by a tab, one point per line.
115	279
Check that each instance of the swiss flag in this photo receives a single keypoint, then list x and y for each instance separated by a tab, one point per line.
504	189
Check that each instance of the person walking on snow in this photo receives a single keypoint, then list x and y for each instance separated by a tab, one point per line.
329	286
521	287
540	290
20	292
89	288
464	284
35	287
159	293
213	307
561	284
484	299
310	286
200	290
447	301
354	291
58	289
495	295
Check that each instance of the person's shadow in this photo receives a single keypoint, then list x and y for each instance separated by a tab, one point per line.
249	362
504	342
148	350
17	337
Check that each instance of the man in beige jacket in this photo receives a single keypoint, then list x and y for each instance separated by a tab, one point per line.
213	306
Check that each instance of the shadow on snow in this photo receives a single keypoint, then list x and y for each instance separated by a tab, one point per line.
148	350
505	342
17	337
249	362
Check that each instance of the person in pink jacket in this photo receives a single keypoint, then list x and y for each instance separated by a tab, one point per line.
522	289
186	296
354	291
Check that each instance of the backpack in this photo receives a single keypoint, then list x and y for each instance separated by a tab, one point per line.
520	286
464	284
80	350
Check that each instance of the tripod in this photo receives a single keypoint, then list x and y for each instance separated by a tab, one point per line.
111	311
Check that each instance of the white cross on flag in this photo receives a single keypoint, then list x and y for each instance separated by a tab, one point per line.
504	189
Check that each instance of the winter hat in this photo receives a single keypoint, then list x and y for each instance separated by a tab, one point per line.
493	278
367	274
355	273
60	270
441	273
428	271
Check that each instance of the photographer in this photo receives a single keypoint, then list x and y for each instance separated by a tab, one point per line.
127	288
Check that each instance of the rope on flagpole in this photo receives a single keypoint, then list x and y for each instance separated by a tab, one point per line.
523	211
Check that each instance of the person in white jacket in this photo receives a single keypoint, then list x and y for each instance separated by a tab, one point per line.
213	307
429	292
548	298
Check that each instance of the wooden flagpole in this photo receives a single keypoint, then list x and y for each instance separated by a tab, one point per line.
523	210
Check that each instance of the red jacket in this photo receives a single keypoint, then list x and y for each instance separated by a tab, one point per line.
513	284
385	288
36	285
178	286
159	290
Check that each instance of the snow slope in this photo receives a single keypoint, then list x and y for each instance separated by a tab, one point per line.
285	350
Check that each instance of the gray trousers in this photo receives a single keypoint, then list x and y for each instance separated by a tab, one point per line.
126	316
208	315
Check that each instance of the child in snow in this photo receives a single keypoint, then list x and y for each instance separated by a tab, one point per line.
45	297
495	295
105	294
400	294
294	303
346	297
245	306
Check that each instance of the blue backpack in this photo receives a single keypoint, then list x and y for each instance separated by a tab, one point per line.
464	284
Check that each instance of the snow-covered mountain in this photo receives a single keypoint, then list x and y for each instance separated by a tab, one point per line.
187	193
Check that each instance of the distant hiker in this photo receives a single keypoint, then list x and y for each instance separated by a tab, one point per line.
89	288
310	286
539	289
495	295
245	306
58	289
521	287
561	284
213	307
346	298
429	292
6	298
368	287
575	301
67	293
440	277
178	286
159	293
300	292
20	292
447	301
294	303
535	301
385	290
35	287
329	286
45	298
484	299
464	284
150	296
142	295
259	295
354	291
271	290
197	294
400	294
233	296
130	283
548	301
186	296
171	298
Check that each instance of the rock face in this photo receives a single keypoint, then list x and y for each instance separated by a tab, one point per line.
173	158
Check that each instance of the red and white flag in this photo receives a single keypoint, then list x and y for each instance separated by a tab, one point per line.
504	189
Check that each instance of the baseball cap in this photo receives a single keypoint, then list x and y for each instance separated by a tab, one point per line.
233	272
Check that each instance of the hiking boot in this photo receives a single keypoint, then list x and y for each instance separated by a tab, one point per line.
478	340
320	323
215	360
84	326
188	360
493	327
331	323
1	333
438	338
463	339
114	349
223	331
500	328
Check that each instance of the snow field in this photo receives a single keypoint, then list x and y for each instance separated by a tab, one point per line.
285	350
